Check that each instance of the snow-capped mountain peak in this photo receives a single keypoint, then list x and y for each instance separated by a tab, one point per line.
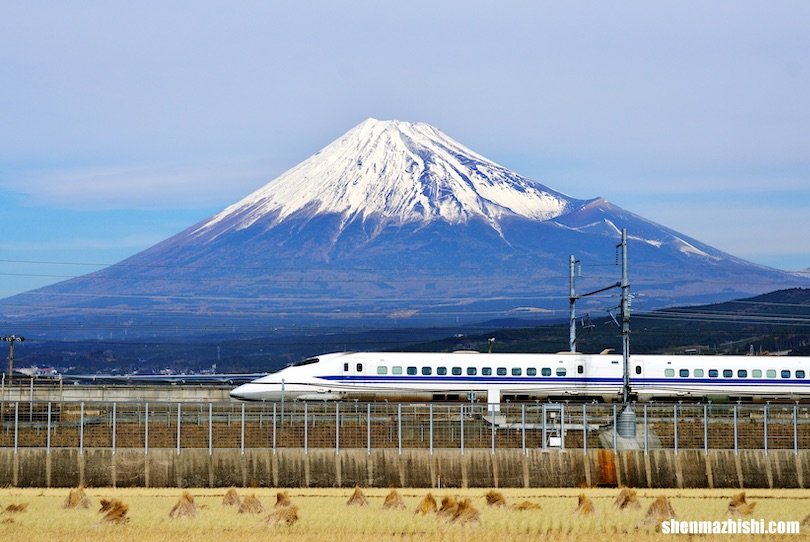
395	172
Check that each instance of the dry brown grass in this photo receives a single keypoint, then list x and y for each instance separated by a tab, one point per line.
185	507
357	498
584	506
77	498
526	505
495	498
116	512
283	515
231	498
465	513
427	505
393	501
107	504
251	505
448	507
627	499
738	506
659	511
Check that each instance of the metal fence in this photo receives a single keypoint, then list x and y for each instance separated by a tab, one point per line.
400	426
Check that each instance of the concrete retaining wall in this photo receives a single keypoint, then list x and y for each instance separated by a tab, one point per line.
68	467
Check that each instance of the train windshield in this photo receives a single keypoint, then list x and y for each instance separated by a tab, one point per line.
309	361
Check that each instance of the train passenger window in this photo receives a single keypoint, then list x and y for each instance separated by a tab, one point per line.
501	371
683	373
441	371
396	370
756	373
742	373
638	369
427	371
728	373
472	371
531	371
411	370
560	371
345	367
456	371
785	374
669	372
770	373
580	369
800	374
382	370
545	371
698	373
486	371
359	367
713	373
516	371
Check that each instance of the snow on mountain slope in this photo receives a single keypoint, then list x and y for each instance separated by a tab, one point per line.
396	172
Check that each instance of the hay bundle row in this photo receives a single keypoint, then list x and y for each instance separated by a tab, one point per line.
448	508
357	498
283	515
658	512
584	506
251	505
114	511
184	508
465	514
16	508
77	498
231	498
282	500
495	498
427	505
526	505
393	501
627	499
739	507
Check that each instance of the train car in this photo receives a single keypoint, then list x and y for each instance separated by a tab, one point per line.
566	375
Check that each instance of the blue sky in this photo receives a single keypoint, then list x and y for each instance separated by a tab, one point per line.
122	123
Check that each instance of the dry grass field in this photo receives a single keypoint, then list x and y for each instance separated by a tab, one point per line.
323	514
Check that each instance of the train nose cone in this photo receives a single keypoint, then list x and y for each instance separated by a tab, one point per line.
247	392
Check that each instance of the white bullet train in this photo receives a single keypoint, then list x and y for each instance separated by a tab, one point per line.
498	377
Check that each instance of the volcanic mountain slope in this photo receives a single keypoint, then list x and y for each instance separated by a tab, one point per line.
397	220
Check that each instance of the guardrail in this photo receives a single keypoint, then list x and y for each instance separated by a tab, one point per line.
371	426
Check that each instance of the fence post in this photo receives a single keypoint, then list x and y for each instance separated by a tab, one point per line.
179	422
146	430
584	429
492	426
115	405
242	433
675	426
430	427
705	428
368	428
337	428
16	425
523	427
306	428
543	426
399	427
615	434
736	444
210	429
274	428
48	427
765	426
461	415
795	429
646	432
81	428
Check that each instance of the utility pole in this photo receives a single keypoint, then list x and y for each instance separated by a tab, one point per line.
11	339
627	419
572	304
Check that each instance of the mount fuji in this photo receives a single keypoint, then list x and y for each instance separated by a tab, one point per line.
393	221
